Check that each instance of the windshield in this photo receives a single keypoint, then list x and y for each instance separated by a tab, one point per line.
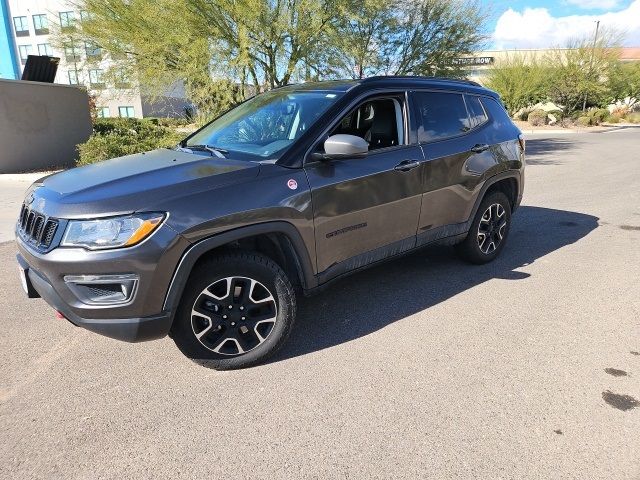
265	126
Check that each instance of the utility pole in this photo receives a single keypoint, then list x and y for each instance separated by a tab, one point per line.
593	49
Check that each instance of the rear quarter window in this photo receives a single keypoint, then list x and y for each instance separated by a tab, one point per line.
497	112
502	128
477	115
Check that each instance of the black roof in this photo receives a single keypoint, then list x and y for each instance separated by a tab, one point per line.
395	81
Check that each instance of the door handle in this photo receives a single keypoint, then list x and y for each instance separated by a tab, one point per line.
406	165
479	148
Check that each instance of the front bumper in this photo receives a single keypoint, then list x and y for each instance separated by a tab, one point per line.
126	329
143	318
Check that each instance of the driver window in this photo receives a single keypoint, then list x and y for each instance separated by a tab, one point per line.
378	121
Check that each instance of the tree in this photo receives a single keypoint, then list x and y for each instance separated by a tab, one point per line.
430	35
521	81
408	37
624	83
226	50
359	40
581	71
269	39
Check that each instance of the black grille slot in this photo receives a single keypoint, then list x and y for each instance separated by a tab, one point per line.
23	216
36	228
49	232
38	225
28	229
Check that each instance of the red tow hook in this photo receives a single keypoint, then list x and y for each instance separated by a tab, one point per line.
60	315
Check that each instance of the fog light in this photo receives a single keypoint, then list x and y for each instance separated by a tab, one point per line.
103	289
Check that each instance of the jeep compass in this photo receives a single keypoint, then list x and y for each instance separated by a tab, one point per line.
210	242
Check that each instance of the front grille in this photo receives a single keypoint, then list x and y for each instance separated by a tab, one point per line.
36	228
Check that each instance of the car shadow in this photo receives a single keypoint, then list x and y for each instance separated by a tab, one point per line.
544	151
372	299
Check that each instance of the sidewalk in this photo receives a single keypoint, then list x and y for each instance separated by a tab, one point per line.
550	130
12	189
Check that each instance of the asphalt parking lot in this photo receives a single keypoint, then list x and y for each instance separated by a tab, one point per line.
424	367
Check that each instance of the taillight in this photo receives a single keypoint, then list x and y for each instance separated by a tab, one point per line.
522	142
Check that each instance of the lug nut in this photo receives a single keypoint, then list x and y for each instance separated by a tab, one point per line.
233	324
224	316
230	307
244	318
241	307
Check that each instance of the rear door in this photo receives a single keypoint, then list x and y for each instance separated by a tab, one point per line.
366	209
456	156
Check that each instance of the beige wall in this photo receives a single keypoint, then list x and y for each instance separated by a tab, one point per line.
40	125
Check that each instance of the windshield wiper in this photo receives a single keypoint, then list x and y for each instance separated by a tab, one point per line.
215	151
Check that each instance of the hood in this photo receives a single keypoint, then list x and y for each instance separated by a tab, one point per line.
135	182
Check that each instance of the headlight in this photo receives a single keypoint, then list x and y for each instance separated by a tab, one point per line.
111	232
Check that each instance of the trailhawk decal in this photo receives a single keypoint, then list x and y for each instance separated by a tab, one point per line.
346	229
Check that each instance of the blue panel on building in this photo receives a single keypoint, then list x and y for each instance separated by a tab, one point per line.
8	61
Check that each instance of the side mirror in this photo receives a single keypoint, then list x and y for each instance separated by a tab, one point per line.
343	146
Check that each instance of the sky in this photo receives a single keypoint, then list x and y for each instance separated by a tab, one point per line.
553	23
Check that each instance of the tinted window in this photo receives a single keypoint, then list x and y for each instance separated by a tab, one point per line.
477	114
497	112
442	115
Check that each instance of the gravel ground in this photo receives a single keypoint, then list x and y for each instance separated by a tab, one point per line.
424	367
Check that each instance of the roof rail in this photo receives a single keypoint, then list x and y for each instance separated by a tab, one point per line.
418	77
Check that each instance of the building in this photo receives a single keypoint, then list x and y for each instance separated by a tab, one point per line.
480	64
25	29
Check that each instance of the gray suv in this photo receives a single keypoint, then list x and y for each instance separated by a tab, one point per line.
209	242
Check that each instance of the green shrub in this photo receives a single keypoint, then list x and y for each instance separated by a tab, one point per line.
115	137
538	117
598	115
612	119
584	121
633	117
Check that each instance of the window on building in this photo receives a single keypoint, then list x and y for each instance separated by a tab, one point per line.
126	112
41	24
442	115
93	50
21	26
44	49
25	51
103	112
96	78
73	77
67	20
71	52
84	15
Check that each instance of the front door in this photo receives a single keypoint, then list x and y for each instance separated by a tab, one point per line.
366	209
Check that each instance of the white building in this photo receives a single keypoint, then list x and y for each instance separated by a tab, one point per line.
32	22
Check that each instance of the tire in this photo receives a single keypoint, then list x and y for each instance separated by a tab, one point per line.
237	310
490	225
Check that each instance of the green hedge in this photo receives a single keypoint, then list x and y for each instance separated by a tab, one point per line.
115	137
